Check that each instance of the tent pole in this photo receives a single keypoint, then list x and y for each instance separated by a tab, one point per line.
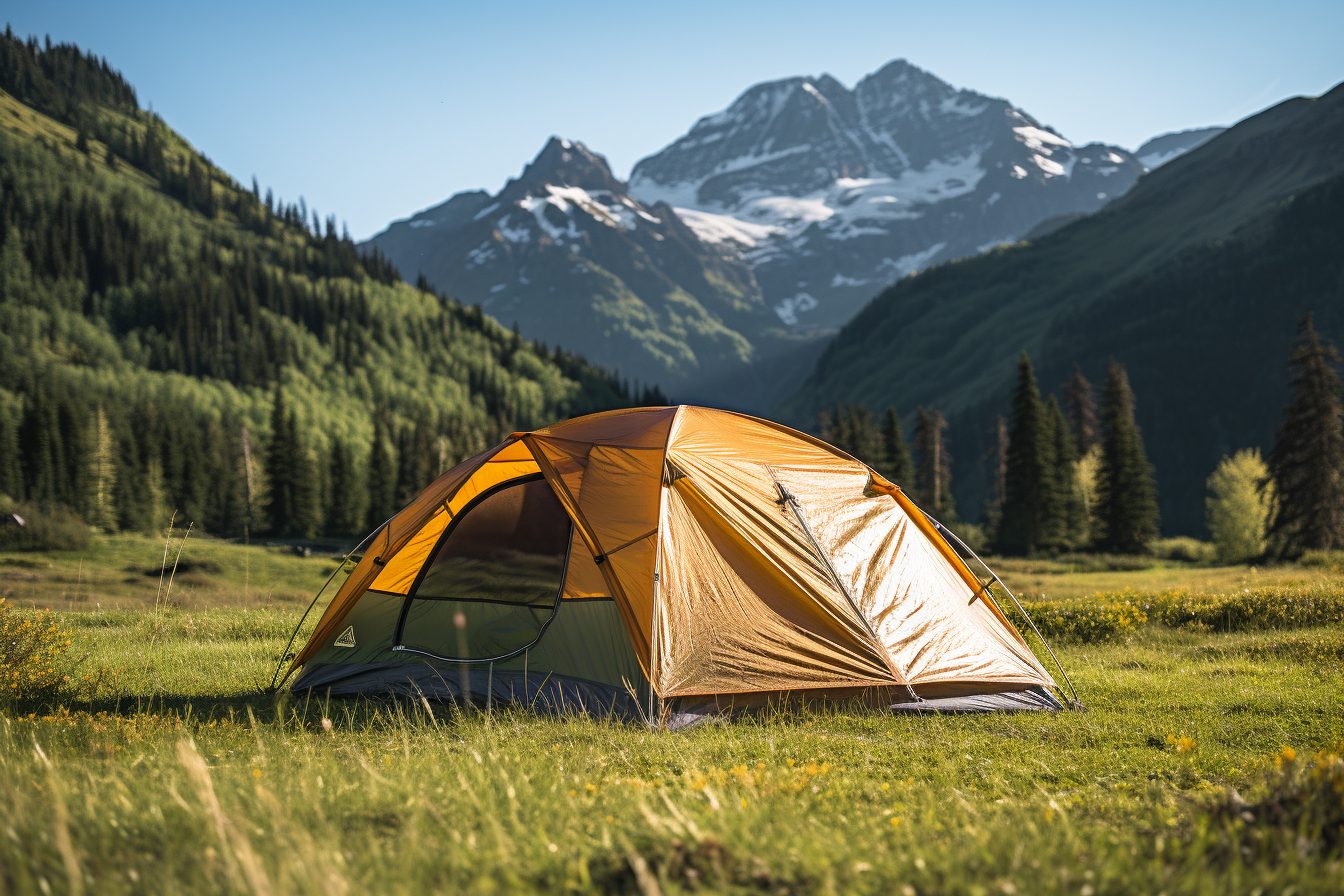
275	679
653	643
994	577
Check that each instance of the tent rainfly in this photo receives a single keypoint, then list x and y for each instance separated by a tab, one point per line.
668	564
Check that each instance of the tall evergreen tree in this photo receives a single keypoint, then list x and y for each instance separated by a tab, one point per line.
100	508
856	433
998	475
289	475
899	466
1127	521
345	515
250	481
933	465
11	473
1081	410
225	509
1307	464
382	479
40	446
279	478
307	469
1028	519
826	430
1070	525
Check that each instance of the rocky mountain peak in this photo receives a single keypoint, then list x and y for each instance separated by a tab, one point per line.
568	163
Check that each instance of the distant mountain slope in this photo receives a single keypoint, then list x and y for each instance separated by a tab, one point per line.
151	306
1194	280
1164	148
732	251
831	194
566	253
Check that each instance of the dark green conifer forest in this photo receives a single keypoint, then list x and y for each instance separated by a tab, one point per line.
172	341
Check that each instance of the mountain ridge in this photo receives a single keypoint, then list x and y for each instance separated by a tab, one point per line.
564	251
832	193
791	208
1116	283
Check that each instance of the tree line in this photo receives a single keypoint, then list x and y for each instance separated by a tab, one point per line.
170	340
1070	476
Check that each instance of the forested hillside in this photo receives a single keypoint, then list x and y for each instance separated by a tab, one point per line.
1194	281
171	340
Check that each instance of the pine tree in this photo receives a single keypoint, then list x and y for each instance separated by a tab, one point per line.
100	507
898	465
1127	521
281	453
1307	464
11	472
998	476
345	515
1081	411
224	508
826	430
1028	518
306	468
1070	524
39	446
856	433
933	465
250	479
382	483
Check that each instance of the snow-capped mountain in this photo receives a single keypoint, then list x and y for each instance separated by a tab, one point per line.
831	194
764	228
569	256
1163	148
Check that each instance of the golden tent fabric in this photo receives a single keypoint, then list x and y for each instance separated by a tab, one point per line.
743	556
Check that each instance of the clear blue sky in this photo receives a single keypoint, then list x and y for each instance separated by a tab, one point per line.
371	111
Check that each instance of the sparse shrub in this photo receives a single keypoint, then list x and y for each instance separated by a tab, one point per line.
1107	562
1299	807
1241	498
974	536
47	529
1323	560
1183	549
1086	621
1103	617
33	656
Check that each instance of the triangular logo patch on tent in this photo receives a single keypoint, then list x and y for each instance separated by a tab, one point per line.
347	638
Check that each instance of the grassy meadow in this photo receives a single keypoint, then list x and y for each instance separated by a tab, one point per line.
1208	759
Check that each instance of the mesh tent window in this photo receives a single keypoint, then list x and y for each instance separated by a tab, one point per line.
494	580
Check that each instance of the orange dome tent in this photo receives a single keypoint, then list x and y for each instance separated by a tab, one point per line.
680	557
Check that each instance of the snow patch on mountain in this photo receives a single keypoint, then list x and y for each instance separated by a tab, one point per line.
789	309
719	228
841	209
1039	138
909	264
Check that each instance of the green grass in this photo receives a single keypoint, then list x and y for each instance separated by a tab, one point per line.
170	772
122	572
1080	577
